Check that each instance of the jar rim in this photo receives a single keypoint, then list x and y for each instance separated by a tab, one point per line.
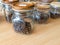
55	4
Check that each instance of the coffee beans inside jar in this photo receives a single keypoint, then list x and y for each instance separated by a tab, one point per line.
41	13
55	10
20	24
20	20
7	4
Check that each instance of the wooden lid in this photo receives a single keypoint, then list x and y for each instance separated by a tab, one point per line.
42	6
34	2
55	4
46	1
9	1
23	6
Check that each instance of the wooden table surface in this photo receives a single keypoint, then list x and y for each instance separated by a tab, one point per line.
43	34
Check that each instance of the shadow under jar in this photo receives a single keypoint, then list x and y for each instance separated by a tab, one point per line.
20	19
41	13
7	4
55	10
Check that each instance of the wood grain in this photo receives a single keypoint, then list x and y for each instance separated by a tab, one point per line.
43	34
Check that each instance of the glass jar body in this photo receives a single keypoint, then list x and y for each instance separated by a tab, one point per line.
55	12
20	23
8	12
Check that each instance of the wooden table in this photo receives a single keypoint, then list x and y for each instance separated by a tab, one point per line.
43	34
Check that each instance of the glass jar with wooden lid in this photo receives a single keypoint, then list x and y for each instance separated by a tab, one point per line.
55	9
24	8
22	11
8	9
41	13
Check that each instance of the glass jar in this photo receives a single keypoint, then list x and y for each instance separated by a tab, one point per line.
1	8
24	8
55	10
7	4
20	18
41	13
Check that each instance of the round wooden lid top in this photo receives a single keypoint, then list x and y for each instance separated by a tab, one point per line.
9	1
42	6
55	4
23	6
46	1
